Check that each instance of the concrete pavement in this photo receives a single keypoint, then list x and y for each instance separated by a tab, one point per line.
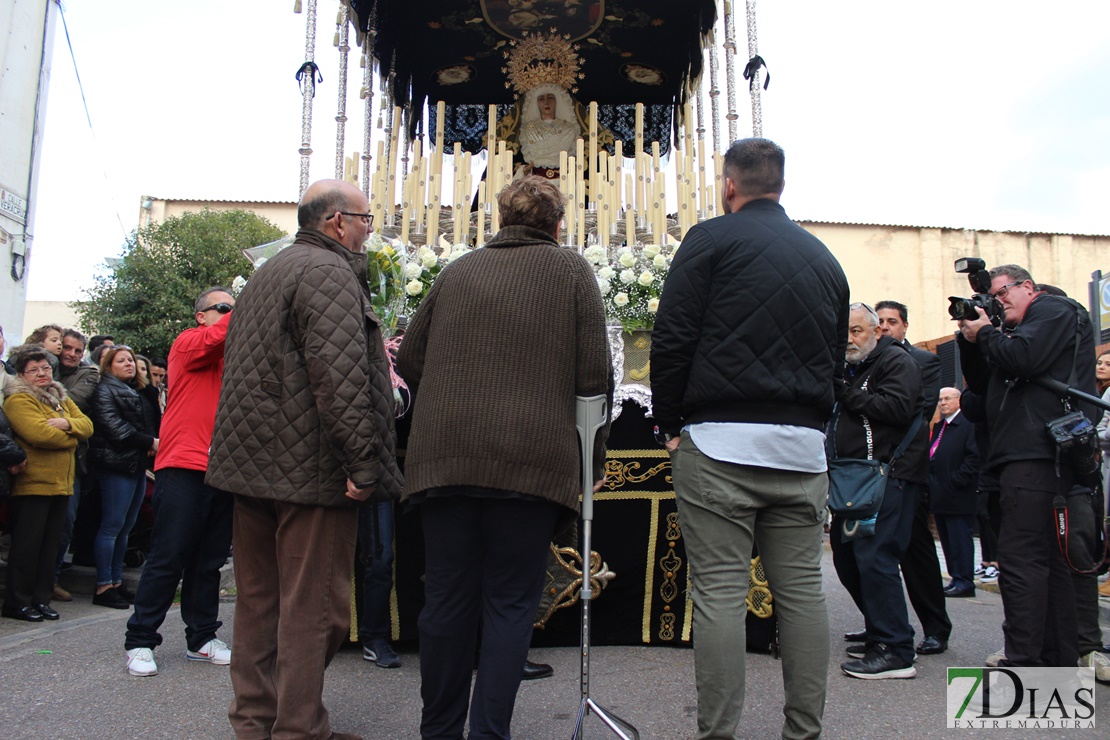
67	679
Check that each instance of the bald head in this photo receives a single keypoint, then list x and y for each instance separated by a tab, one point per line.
336	208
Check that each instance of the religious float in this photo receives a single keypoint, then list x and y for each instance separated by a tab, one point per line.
620	102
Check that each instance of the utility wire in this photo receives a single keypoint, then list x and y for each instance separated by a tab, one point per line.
84	102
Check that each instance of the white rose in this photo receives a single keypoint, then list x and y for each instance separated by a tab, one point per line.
651	250
424	252
603	286
414	287
646	278
653	305
457	252
238	284
429	260
621	300
628	277
413	270
627	259
659	262
605	273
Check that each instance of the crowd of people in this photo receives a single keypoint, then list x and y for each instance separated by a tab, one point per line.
270	429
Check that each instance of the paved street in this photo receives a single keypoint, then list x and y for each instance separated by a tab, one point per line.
67	679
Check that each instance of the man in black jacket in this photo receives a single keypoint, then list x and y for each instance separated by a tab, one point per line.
877	406
920	566
1042	336
748	340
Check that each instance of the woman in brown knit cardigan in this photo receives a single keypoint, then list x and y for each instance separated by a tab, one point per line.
507	337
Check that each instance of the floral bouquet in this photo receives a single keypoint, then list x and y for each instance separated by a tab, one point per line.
630	284
403	274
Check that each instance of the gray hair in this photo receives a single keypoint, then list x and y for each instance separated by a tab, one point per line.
200	304
872	317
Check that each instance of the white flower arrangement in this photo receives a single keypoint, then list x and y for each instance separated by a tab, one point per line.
631	281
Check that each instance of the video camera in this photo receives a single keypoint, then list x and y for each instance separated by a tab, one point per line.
980	279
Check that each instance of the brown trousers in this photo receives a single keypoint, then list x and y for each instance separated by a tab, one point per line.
293	569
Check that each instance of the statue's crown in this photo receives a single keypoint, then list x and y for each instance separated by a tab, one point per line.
542	59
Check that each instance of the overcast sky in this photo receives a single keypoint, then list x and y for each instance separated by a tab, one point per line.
989	114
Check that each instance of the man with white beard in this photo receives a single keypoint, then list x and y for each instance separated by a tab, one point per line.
877	402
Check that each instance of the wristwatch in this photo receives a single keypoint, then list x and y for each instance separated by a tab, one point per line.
661	437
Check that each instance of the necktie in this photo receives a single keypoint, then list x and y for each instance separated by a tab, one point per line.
936	442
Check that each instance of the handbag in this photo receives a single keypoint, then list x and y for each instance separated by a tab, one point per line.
856	486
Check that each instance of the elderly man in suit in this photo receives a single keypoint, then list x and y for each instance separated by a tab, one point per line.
953	476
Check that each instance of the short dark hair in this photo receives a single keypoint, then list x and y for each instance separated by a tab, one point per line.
755	166
200	304
312	213
98	339
531	201
159	362
74	334
899	307
25	354
1017	273
38	335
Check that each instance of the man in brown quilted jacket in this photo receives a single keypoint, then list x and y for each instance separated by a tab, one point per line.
304	431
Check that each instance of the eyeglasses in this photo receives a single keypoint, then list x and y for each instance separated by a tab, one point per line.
367	218
219	307
865	307
1006	289
39	371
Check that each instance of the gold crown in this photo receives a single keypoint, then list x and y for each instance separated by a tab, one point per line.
542	59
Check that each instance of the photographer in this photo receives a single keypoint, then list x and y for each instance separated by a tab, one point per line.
1041	336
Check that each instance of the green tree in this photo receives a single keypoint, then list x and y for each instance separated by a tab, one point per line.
146	297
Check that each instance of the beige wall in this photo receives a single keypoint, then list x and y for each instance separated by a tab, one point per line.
40	313
913	265
282	215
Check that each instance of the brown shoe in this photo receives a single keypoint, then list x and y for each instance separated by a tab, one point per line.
1104	589
61	594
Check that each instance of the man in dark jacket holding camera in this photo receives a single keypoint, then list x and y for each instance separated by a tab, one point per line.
747	343
1043	336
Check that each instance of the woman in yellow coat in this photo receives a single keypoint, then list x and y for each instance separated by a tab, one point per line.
48	426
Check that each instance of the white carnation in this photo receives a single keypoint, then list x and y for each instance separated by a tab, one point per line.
413	270
628	277
646	278
603	286
595	255
606	273
620	300
414	287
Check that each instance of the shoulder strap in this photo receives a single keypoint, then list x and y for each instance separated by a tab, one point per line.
907	439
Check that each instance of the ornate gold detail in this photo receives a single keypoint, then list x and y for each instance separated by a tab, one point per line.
639	374
674	527
759	592
670	563
563	585
542	59
618	473
666	626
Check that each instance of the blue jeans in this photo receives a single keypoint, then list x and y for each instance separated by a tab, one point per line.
375	538
868	567
190	543
121	495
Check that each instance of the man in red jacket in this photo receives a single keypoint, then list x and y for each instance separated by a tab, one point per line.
192	520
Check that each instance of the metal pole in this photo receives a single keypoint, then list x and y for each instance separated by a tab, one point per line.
341	106
309	90
730	69
714	94
753	86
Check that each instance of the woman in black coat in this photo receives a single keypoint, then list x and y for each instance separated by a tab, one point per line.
125	437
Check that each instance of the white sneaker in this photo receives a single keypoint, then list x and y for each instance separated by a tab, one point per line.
140	662
989	575
1100	662
214	651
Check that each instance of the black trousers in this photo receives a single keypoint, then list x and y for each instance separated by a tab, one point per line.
36	531
1038	597
921	572
990	522
485	560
